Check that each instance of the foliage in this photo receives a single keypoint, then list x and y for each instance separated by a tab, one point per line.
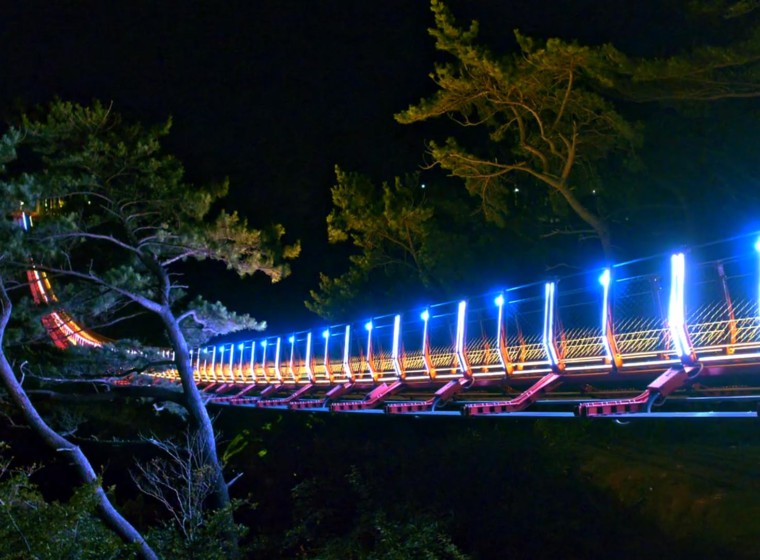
170	541
546	125
119	215
32	527
552	118
181	481
390	226
119	221
409	238
374	534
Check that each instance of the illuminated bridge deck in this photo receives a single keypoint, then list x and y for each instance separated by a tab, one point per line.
657	337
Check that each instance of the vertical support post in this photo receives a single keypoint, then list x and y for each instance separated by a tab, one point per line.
241	375
252	365
291	363
328	370
733	330
676	311
395	349
757	248
264	344
549	337
347	355
501	338
277	370
213	364
370	357
307	365
232	372
426	357
611	351
464	366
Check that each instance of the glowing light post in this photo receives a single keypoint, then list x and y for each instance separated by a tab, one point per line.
252	364
460	346
548	335
501	337
608	336
206	365
426	357
213	364
347	354
221	364
370	366
328	371
733	330
395	350
291	363
676	313
277	370
241	347
309	369
264	360
757	248
231	364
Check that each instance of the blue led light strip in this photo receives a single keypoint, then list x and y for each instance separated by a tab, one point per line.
604	280
309	370
395	348
370	367
277	370
347	354
461	315
676	314
548	337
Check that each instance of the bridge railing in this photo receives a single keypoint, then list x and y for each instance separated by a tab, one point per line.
645	315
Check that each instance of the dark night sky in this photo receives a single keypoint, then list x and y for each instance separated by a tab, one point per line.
274	93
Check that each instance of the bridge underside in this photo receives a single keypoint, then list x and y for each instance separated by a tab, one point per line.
677	392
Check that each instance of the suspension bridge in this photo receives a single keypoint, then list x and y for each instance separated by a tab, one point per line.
667	336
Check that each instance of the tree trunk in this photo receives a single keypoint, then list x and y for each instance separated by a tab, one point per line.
597	224
112	518
198	413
